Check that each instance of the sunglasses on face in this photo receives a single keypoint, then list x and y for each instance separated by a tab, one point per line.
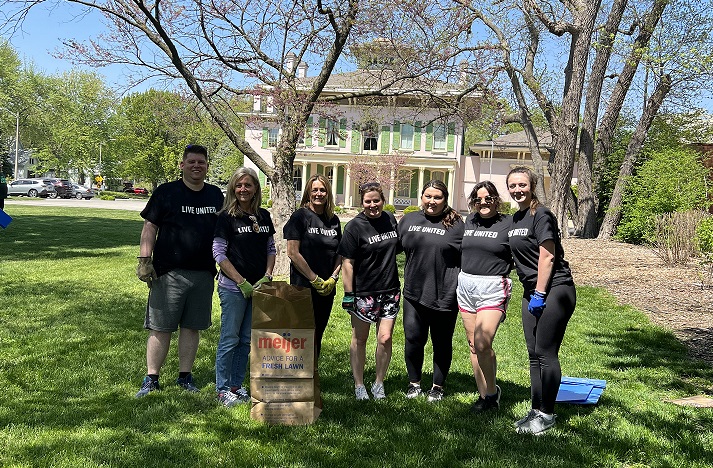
256	226
488	199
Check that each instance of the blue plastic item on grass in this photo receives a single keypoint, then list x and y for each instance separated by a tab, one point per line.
579	391
4	219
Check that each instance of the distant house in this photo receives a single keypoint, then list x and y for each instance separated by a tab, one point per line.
492	160
405	125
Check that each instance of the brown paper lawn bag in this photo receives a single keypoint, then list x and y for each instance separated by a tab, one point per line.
284	383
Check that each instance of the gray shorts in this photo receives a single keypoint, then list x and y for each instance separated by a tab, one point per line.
180	298
371	309
476	293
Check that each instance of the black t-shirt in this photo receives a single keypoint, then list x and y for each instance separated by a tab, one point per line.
319	239
247	249
186	221
373	245
486	250
432	260
526	235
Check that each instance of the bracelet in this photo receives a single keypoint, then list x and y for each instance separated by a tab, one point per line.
269	277
335	277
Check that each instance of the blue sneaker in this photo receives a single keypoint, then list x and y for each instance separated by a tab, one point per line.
147	386
187	383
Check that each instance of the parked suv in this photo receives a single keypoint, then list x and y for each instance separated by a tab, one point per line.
30	188
62	188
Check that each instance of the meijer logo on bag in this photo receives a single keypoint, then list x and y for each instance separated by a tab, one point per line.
282	343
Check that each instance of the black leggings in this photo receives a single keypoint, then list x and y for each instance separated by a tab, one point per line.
418	319
322	306
544	337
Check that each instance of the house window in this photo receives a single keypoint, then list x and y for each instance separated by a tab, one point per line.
297	178
370	138
403	186
439	137
438	175
329	174
272	137
407	136
332	132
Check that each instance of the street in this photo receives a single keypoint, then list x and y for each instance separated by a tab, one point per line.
120	204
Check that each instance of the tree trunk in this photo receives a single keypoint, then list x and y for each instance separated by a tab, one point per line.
587	189
613	215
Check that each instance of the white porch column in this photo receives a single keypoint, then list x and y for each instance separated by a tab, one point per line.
421	173
451	181
335	176
304	176
347	188
390	199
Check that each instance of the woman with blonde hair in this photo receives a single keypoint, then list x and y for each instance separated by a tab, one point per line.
313	233
244	248
371	285
549	296
431	239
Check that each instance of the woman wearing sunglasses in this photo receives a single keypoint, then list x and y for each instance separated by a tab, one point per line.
371	285
484	286
313	233
244	249
431	239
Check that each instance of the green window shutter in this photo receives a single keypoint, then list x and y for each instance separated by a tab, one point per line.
385	139
450	142
265	137
414	184
320	169
309	167
396	142
308	132
322	131
340	179
446	177
429	137
342	133
426	176
261	178
417	136
356	141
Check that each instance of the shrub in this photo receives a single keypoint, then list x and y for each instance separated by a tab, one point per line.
674	238
338	210
507	208
671	180
390	208
410	209
265	195
704	241
106	196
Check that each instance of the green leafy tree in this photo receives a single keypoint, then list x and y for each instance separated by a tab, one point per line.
670	180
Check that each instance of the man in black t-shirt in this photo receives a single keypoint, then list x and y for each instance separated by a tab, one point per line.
176	261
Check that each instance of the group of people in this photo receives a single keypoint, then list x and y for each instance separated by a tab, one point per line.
451	266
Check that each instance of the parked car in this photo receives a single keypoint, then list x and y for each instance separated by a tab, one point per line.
82	192
62	188
30	188
137	190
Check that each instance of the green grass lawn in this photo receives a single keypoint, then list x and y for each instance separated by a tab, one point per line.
72	355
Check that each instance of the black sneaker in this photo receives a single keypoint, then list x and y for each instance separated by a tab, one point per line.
487	403
147	386
435	394
187	383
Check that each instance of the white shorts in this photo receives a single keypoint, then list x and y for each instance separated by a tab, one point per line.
476	293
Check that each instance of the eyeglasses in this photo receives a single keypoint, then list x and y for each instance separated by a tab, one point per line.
256	226
368	185
487	199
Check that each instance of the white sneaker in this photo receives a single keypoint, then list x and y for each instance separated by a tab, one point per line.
361	393
528	417
378	391
537	425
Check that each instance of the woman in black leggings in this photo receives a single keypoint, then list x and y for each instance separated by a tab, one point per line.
549	296
431	239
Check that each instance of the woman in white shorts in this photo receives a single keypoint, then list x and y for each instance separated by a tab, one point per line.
484	286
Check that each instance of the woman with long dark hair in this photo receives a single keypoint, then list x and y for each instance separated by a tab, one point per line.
484	286
431	239
549	296
244	248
